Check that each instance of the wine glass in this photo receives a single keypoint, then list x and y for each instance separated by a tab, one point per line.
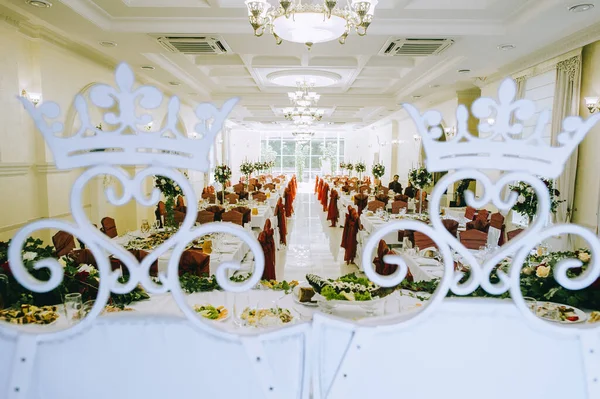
73	305
241	303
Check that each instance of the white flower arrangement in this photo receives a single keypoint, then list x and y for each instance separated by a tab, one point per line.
247	168
360	167
527	202
420	178
222	173
378	170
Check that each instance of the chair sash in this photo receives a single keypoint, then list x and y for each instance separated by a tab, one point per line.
64	243
289	208
473	239
108	227
482	214
397	205
452	226
246	213
233	217
217	210
360	200
267	242
195	262
382	268
374	205
382	198
332	211
281	221
401	197
325	197
205	217
478	224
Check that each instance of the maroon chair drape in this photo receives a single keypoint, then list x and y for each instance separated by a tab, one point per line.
451	226
349	242
195	262
217	210
205	217
108	227
325	197
473	239
246	212
63	242
332	212
265	238
281	221
360	200
497	221
289	208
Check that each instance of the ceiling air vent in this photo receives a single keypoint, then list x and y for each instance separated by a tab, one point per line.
415	47
194	44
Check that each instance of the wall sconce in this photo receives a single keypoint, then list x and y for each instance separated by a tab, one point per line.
35	98
450	131
592	104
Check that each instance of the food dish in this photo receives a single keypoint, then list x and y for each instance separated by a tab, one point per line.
560	313
30	314
279	285
267	317
210	312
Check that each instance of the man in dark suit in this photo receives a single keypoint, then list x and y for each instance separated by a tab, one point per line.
395	185
410	191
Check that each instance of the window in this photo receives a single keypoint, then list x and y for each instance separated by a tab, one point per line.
287	152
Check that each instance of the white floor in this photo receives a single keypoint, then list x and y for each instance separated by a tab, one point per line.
313	246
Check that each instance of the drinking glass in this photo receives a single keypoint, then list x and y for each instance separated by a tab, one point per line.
73	305
241	302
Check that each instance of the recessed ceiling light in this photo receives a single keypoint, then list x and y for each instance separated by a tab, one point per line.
39	3
148	67
581	7
106	43
434	86
464	71
174	83
416	96
506	47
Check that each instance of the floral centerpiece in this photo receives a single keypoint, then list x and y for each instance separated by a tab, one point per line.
170	190
527	201
222	176
378	171
360	168
247	168
420	178
342	167
349	168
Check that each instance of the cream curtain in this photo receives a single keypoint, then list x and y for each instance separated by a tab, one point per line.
566	103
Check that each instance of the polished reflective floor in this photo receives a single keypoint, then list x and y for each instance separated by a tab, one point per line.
313	246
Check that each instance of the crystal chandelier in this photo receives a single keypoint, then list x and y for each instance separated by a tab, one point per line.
310	23
303	115
303	135
303	97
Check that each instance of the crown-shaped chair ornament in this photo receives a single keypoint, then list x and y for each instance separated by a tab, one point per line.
503	146
102	152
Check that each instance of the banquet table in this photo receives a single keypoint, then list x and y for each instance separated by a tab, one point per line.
228	249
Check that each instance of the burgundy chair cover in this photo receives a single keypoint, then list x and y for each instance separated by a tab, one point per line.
217	210
238	188
233	217
482	214
382	198
451	226
232	198
473	239
281	221
316	184
205	217
497	221
195	262
289	208
180	202
332	211
423	241
364	188
360	200
267	242
246	213
349	242
140	254
512	234
401	197
374	205
397	205
478	224
108	227
470	213
260	197
325	197
212	198
63	242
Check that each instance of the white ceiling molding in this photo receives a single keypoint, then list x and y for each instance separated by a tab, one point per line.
14	169
444	65
49	167
92	12
168	65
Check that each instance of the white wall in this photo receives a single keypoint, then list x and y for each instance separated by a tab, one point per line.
245	145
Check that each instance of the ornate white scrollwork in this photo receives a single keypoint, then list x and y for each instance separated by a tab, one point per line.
164	152
499	146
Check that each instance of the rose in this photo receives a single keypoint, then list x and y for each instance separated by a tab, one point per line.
528	271
542	271
521	199
584	257
29	256
162	181
82	276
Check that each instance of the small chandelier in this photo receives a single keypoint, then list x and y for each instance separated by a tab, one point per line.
303	136
303	97
310	23
303	115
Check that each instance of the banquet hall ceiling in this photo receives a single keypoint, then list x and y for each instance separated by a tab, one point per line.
371	85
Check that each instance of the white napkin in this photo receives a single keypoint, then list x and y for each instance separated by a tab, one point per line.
426	261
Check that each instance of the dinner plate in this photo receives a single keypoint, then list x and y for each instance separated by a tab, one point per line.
321	298
543	306
215	320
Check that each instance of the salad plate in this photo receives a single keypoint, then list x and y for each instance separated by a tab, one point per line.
214	313
560	313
